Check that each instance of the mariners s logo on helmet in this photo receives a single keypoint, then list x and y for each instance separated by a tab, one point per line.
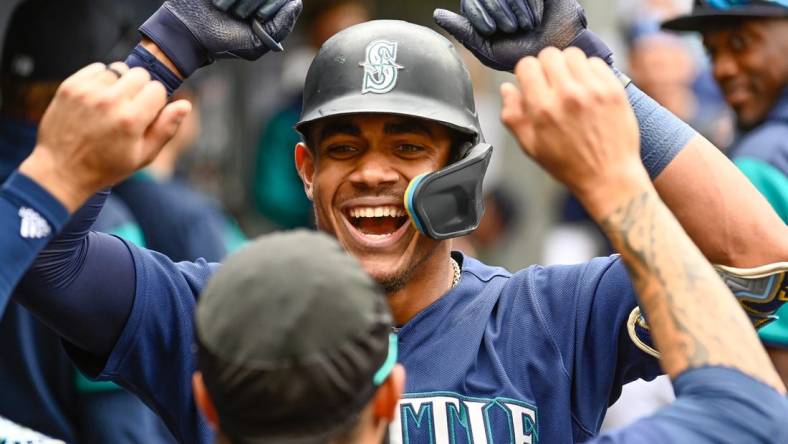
380	67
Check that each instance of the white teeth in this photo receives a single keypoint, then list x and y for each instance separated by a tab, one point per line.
377	236
383	211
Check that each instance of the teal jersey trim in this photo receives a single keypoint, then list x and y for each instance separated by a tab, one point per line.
131	232
234	238
770	181
85	385
773	184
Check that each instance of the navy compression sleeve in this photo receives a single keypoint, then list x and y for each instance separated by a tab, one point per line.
662	135
82	283
29	218
714	404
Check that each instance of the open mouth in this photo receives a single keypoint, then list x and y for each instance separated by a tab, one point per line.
377	222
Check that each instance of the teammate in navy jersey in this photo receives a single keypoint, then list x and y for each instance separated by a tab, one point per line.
87	128
493	357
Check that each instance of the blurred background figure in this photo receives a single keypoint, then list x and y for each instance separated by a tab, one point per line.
277	190
502	214
177	220
40	387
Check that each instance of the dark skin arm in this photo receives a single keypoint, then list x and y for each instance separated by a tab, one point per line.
723	213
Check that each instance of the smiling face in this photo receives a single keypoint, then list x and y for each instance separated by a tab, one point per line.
750	65
356	173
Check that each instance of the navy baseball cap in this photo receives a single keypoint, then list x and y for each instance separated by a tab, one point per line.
48	40
710	13
293	339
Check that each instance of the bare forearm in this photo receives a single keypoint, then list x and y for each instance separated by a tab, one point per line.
694	319
722	212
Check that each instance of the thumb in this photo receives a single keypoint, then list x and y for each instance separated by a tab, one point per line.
456	25
514	117
164	128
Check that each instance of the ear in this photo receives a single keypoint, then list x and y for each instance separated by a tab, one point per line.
388	395
305	164
204	401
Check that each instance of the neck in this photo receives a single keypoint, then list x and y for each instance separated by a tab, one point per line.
430	280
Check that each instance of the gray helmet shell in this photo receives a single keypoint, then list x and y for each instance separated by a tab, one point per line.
390	67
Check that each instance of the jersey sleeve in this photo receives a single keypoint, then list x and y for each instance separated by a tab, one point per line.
29	218
586	308
714	404
154	356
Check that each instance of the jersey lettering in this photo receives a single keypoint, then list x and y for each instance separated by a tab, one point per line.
449	418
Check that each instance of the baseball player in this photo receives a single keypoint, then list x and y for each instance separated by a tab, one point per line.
334	380
316	349
493	356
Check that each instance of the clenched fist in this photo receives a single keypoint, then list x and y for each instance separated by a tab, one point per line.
571	115
103	124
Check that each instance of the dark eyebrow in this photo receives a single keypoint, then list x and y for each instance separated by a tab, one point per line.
407	127
339	128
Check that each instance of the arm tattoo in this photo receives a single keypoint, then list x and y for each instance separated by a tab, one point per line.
693	317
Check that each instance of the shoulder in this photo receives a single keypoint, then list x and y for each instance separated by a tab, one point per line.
768	143
587	276
155	272
606	275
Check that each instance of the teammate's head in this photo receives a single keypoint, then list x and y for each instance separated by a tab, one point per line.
384	101
295	346
48	40
750	66
747	42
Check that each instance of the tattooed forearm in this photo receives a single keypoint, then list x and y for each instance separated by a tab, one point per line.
693	317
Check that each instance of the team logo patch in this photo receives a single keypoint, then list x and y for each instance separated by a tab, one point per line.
32	225
380	67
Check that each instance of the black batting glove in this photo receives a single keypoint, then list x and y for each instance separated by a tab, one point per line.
485	28
194	33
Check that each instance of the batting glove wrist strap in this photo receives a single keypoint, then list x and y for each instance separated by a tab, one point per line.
593	46
175	39
158	71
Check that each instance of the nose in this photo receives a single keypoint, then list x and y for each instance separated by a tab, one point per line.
373	170
725	66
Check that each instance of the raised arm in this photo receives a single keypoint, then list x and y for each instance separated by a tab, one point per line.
70	284
688	171
573	119
103	124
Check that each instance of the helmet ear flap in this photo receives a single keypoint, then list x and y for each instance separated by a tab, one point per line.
450	202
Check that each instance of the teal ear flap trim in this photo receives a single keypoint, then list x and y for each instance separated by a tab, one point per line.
409	205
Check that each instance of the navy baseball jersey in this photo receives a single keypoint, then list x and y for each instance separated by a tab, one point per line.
532	357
